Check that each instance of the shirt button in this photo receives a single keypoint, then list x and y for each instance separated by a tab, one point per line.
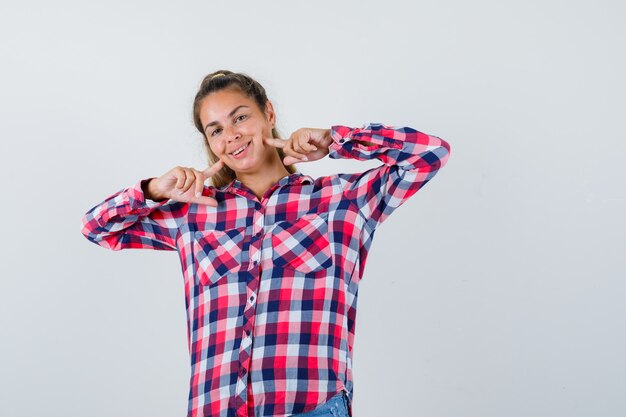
252	299
342	140
255	263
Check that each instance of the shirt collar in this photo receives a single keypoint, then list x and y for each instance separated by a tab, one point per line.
237	187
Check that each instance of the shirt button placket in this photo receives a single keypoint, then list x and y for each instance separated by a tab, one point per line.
246	342
257	238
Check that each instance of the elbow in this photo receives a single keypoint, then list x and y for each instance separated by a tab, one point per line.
91	231
441	153
86	227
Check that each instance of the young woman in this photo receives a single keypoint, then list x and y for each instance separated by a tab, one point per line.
271	258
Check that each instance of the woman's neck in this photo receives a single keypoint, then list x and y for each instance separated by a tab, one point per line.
261	181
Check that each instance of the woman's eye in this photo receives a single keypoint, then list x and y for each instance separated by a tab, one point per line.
240	117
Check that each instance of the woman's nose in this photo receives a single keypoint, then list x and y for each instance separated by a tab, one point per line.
231	133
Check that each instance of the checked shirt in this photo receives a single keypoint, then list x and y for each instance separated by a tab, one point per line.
271	284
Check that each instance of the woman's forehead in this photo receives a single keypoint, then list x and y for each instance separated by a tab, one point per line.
228	94
224	101
218	107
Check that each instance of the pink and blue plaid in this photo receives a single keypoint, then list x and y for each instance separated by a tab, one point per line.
271	284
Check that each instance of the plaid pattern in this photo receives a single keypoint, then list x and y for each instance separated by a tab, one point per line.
271	284
302	245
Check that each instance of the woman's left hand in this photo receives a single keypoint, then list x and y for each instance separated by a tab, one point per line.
305	144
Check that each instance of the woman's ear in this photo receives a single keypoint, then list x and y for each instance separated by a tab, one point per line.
269	113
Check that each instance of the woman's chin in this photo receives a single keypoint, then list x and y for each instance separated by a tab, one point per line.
251	163
245	165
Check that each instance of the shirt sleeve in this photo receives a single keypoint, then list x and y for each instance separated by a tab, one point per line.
127	219
411	159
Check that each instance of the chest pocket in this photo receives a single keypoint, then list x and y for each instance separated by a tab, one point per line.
302	244
218	253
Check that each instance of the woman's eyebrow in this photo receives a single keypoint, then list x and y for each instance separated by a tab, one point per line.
229	115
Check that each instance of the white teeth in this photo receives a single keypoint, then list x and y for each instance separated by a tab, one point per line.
240	149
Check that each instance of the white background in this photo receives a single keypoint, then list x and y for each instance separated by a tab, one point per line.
497	290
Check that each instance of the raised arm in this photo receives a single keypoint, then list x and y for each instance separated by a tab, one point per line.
411	159
127	219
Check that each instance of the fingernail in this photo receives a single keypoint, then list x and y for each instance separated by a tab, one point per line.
314	148
304	158
198	194
180	192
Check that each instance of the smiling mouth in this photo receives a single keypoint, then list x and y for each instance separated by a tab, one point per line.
240	149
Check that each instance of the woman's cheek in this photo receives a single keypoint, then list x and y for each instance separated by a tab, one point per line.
218	149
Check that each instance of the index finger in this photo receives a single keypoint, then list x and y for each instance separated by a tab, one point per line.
279	143
210	171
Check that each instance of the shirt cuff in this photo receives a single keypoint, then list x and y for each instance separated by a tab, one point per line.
372	132
138	198
340	135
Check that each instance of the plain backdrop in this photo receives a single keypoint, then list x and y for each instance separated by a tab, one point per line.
497	290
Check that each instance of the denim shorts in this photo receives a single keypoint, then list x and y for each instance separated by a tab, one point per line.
336	406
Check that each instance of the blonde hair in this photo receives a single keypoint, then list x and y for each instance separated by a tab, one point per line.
220	80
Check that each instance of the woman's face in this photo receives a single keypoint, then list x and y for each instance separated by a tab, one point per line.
232	120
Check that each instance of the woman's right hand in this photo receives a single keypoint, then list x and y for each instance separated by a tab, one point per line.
182	184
